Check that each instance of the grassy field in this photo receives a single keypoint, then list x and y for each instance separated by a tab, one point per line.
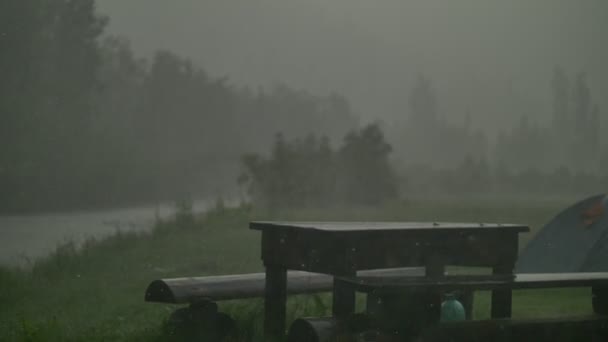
95	293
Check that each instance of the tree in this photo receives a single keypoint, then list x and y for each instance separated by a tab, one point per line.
308	173
365	174
561	88
423	104
85	122
299	173
586	125
49	64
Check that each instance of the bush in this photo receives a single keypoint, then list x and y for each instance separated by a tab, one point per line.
309	173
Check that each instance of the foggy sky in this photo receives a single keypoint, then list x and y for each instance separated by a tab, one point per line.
493	59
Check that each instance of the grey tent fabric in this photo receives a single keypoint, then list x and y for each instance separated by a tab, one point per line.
576	240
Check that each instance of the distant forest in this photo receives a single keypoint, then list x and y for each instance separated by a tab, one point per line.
565	156
86	123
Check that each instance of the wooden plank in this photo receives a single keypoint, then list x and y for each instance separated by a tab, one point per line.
599	299
502	297
343	295
448	283
592	328
434	267
343	299
275	300
558	278
384	226
315	251
242	286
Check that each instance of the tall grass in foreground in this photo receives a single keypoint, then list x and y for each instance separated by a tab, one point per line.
94	292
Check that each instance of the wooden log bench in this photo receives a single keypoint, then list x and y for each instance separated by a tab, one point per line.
202	320
408	308
242	286
571	329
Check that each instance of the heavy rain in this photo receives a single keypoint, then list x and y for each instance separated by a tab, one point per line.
319	170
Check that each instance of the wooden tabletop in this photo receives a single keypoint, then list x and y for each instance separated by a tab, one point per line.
383	226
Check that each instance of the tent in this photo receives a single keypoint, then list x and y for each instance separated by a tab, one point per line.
576	240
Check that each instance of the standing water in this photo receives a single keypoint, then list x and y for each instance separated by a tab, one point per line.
27	237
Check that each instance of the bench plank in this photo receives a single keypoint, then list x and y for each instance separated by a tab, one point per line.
588	328
519	281
242	286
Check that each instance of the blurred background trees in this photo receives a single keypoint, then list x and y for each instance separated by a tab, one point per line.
310	173
84	122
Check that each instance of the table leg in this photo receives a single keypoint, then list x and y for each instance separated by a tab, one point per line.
275	300
502	299
599	299
434	267
343	299
467	299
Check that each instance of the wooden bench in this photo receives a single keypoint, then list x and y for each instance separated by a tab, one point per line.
571	329
410	307
201	320
367	284
252	285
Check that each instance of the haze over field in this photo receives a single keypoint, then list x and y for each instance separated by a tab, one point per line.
140	138
492	59
171	100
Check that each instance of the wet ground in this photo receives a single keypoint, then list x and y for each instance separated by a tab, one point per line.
25	238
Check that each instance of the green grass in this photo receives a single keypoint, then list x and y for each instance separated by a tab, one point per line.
95	293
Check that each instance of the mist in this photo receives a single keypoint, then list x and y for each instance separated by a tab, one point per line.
171	143
491	59
156	101
490	67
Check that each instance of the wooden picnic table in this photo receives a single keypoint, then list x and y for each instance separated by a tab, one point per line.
343	248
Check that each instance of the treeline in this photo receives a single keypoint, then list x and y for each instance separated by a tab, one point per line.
84	122
311	173
570	141
428	139
566	155
478	177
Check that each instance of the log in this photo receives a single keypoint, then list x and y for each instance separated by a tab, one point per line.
243	286
590	328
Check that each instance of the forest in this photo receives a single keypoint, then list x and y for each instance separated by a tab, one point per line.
85	122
